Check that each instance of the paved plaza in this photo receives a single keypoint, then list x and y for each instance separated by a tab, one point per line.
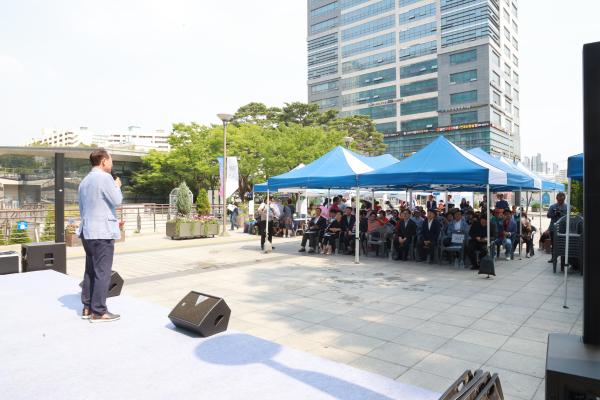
417	323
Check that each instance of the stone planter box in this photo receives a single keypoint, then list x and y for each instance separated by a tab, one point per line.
191	229
72	240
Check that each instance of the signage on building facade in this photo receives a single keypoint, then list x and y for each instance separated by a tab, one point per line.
384	102
22	225
441	129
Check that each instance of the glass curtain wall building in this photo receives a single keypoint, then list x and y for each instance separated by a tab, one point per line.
419	69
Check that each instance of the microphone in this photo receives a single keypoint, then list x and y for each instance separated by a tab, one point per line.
114	176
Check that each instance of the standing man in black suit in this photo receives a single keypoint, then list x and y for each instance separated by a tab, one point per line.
431	203
406	230
430	231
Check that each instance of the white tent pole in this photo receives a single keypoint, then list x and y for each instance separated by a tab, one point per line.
568	233
446	201
410	199
520	224
489	219
267	243
357	228
541	195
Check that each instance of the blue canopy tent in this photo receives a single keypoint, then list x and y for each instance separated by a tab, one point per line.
575	167
515	177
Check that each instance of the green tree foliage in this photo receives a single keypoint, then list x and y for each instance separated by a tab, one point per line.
367	140
202	202
576	196
49	226
18	236
184	200
267	141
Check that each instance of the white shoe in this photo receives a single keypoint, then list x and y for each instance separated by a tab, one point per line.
507	258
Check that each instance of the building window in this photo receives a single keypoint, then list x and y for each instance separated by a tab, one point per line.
463	57
327	103
507	88
463	118
515	27
508	106
516	43
377	112
495	79
507	70
369	79
463	97
516	94
496	118
420	68
419	106
516	60
507	52
418	124
495	59
324	87
418	13
322	57
351	3
368	62
516	77
366	12
418	50
507	34
322	71
418	32
389	39
426	86
324	9
378	25
323	26
515	10
463	77
404	3
388	127
323	41
517	113
506	15
369	96
496	99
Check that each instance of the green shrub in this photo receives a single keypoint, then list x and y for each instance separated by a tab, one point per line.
202	202
49	227
184	201
18	237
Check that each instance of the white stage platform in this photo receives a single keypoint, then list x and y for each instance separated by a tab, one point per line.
48	352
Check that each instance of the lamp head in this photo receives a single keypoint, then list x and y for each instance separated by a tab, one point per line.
225	117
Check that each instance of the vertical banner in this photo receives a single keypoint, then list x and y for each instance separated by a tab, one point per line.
232	176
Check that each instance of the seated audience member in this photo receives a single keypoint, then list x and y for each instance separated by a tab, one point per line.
501	203
430	232
332	233
431	203
458	225
463	205
324	209
348	221
478	240
441	206
376	206
373	223
527	231
335	206
394	217
406	230
417	219
507	232
313	233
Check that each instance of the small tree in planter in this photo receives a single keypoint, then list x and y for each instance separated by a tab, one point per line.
18	236
49	224
71	238
182	227
202	203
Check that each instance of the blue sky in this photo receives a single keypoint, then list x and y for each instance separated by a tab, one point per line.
111	64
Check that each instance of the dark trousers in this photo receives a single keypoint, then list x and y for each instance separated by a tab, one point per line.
311	237
262	229
425	251
475	247
330	240
402	250
98	268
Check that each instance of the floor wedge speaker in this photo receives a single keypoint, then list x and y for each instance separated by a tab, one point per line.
201	313
9	262
115	286
44	255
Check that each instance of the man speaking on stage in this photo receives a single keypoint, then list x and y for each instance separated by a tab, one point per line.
99	196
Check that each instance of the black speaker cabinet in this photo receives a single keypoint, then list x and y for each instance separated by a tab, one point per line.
572	369
44	255
115	286
201	313
9	262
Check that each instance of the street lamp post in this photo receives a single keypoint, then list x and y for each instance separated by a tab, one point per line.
348	140
225	118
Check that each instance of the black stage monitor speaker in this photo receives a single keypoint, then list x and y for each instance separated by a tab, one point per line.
115	286
201	313
9	262
44	255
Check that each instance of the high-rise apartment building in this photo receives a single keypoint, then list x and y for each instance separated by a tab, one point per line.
419	69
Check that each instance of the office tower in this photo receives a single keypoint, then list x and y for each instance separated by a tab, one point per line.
419	69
